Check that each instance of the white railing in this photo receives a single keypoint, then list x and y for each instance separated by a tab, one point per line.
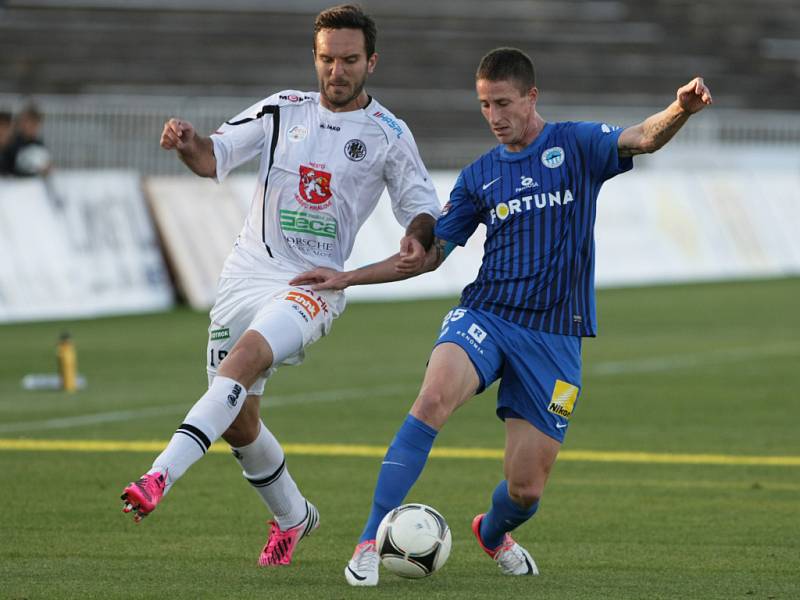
123	131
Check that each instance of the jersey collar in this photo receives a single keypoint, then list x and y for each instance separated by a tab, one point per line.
532	148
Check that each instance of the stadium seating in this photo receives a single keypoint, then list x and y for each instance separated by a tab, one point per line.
588	53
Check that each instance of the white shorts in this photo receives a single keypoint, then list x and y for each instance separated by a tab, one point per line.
240	302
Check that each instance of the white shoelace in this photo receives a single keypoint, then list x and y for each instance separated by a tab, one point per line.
512	559
367	558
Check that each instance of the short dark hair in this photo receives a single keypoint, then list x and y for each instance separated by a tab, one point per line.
347	16
32	112
502	64
6	116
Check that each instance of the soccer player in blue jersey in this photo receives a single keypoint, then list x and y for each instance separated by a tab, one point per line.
522	320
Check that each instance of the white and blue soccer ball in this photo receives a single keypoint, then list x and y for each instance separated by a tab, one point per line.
413	541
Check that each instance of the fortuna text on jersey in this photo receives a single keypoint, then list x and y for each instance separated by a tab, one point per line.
503	210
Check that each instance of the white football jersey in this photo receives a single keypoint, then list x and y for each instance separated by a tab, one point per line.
321	175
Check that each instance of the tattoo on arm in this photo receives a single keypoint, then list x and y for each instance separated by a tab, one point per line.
442	248
652	133
661	129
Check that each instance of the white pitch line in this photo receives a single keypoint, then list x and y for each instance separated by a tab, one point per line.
153	411
91	419
645	365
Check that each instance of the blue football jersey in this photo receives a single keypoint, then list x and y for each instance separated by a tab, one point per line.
539	208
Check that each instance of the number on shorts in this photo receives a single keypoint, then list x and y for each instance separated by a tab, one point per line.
220	355
453	315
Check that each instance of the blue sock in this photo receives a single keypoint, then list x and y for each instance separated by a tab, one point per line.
401	467
504	515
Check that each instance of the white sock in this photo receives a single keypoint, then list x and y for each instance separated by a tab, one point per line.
264	466
204	424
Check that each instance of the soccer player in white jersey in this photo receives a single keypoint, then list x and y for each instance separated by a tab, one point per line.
325	159
523	318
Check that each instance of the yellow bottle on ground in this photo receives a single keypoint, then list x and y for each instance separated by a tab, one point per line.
67	363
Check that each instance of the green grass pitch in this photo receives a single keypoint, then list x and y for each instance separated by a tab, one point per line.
698	370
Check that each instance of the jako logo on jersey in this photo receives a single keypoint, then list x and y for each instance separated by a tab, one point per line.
233	397
553	157
563	399
297	133
307	303
314	188
393	125
300	222
504	210
609	128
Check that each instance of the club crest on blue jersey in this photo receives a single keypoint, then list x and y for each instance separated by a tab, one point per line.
553	157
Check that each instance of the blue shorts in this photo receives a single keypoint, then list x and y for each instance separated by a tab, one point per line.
539	372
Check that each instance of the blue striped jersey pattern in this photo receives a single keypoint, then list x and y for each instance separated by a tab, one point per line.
539	208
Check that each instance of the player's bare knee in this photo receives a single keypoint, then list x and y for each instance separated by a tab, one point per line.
244	364
524	494
433	407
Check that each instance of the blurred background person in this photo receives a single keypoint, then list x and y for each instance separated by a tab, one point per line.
6	132
26	154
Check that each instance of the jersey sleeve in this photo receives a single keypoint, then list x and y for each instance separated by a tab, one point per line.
459	217
241	138
410	187
600	143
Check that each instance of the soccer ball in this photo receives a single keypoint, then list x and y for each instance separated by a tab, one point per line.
33	159
413	541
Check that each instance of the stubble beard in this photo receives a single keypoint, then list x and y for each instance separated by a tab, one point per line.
340	103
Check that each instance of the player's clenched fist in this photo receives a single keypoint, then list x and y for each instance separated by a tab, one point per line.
177	134
694	96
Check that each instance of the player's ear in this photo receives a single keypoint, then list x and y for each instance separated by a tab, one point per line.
533	95
371	62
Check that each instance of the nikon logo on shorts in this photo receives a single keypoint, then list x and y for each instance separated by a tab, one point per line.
321	225
563	399
220	334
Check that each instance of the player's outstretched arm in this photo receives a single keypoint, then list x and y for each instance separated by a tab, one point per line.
656	130
323	278
195	151
415	244
384	271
